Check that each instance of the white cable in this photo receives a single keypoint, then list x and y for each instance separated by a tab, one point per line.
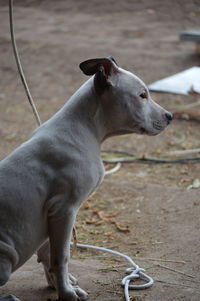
114	169
135	272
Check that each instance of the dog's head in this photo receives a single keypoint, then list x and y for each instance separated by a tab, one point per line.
125	99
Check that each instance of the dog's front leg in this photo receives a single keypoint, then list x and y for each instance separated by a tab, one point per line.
60	230
43	254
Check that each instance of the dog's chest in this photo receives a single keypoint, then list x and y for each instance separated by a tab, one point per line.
97	172
89	177
79	178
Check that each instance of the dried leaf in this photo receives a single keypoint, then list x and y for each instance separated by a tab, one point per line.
86	205
120	227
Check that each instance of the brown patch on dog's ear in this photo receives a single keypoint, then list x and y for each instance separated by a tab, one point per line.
103	69
90	67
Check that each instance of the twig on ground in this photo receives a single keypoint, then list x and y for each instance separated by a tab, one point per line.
161	260
174	270
176	284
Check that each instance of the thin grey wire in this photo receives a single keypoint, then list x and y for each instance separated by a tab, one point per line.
35	112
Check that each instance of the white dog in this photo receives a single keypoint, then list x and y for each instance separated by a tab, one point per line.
45	180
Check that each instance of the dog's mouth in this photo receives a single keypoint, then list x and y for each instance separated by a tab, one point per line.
143	131
157	126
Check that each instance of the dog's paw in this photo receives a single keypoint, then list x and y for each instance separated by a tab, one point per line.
81	293
51	281
72	279
75	293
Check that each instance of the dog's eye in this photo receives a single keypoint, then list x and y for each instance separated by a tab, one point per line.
143	95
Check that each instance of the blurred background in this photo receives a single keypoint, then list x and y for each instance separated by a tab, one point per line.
143	210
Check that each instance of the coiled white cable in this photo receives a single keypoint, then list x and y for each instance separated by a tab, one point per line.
135	272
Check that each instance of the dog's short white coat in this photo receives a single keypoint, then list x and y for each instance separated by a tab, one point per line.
45	180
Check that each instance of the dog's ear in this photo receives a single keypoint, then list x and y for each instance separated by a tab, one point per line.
90	67
103	68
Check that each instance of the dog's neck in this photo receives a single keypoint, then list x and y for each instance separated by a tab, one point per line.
86	106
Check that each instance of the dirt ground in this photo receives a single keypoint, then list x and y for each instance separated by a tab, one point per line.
157	217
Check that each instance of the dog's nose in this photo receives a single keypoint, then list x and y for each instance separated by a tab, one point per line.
169	116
